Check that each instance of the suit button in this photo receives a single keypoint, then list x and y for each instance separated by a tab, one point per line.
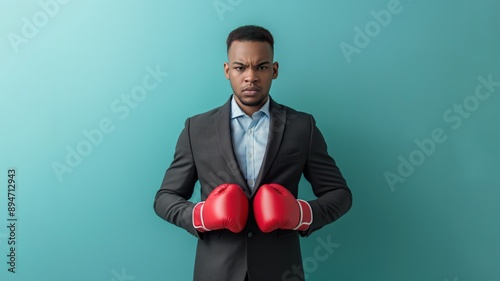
250	234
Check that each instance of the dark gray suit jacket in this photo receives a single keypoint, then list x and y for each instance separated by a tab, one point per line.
204	152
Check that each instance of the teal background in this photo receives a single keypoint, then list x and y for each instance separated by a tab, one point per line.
441	223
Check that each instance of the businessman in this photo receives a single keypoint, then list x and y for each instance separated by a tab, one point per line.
249	155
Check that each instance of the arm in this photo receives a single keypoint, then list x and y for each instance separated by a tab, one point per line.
328	184
171	201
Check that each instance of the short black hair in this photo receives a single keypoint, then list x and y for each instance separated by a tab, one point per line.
251	33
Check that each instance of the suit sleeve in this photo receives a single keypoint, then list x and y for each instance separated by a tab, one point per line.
334	198
171	201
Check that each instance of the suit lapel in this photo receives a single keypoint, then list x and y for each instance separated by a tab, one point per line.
223	127
276	129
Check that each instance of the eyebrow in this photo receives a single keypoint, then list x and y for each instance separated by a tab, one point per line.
262	63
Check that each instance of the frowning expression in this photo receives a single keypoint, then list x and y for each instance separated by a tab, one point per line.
250	71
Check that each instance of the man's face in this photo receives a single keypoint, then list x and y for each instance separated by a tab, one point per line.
250	71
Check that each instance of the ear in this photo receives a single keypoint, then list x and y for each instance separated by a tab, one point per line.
275	69
226	70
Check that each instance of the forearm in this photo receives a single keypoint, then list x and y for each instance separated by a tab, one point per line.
171	201
175	209
328	208
334	198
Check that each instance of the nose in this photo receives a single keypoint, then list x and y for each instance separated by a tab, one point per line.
251	76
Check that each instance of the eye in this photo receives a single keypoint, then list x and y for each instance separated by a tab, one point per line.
239	68
262	67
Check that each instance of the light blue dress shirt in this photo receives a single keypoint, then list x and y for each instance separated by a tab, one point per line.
249	135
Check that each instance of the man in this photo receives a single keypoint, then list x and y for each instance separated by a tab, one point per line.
249	155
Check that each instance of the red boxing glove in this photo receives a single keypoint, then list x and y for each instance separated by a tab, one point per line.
225	207
276	208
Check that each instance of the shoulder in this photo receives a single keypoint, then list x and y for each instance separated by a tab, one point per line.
203	118
206	115
292	114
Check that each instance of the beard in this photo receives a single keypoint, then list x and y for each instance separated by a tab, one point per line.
260	101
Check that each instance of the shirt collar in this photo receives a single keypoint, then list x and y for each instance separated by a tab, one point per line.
236	111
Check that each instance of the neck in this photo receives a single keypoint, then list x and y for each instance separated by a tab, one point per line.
249	109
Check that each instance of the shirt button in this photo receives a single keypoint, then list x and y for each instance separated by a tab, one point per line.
250	234
250	182
250	131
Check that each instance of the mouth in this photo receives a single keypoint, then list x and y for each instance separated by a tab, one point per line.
251	90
